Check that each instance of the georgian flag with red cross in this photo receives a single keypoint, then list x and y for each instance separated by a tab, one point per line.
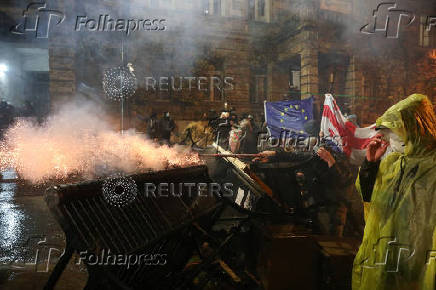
350	139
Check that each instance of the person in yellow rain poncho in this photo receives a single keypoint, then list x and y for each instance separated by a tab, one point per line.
398	250
197	133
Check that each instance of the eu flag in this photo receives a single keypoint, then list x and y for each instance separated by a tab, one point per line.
288	116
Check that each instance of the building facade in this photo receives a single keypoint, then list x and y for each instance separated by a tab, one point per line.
266	50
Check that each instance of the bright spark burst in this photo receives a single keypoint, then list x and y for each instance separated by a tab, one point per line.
77	141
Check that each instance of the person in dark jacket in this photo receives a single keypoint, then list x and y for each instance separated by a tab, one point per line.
166	127
153	127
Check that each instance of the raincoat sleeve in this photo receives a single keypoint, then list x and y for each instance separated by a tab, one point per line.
367	175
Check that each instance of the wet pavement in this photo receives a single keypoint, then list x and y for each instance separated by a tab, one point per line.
31	241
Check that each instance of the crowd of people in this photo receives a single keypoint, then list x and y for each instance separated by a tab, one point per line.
231	132
322	190
237	135
399	184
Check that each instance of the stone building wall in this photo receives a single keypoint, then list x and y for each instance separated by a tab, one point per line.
232	40
62	72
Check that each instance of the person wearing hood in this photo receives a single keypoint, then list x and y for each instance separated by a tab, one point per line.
398	249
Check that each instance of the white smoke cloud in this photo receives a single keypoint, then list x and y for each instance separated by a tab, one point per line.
79	140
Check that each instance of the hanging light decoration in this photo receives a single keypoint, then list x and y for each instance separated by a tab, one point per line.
119	83
119	190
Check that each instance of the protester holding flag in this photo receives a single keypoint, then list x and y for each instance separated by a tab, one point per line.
327	181
351	140
335	178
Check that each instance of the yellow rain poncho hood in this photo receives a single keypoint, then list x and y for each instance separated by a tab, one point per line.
398	250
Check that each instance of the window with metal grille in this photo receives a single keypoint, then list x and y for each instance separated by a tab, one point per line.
262	8
217	7
258	85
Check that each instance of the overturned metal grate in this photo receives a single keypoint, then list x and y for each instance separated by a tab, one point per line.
147	224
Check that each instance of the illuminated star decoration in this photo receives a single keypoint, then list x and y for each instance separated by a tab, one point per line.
119	191
119	83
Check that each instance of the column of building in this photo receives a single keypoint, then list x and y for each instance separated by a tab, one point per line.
61	59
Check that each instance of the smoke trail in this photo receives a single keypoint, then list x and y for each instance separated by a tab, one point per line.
78	140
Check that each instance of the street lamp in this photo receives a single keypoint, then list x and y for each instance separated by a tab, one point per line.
3	69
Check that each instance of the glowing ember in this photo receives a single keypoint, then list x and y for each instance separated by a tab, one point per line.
432	54
78	140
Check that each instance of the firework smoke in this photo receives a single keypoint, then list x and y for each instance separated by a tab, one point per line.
78	140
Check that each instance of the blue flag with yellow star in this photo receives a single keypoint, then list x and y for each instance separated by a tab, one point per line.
288	116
